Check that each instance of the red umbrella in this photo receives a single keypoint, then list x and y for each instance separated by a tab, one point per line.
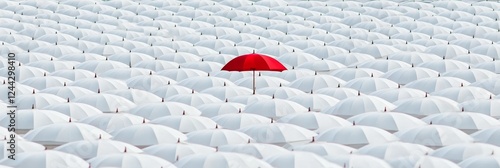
254	62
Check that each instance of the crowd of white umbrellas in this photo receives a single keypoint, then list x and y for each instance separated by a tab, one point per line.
126	83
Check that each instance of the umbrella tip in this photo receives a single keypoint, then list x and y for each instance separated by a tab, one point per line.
67	100
178	140
463	109
116	110
183	112
313	139
33	91
162	99
143	120
239	110
272	120
32	106
430	123
385	109
100	136
98	90
125	150
353	122
315	72
359	93
248	141
192	91
338	85
216	126
309	109
95	75
70	119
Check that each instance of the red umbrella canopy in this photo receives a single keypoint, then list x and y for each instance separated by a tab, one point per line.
254	61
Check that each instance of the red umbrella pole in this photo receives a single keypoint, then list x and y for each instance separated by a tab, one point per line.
253	86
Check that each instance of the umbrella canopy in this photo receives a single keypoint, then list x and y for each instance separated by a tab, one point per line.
254	62
394	150
218	137
356	136
87	149
324	148
460	152
298	159
222	160
434	136
129	160
278	133
314	121
45	159
143	135
258	150
356	160
393	121
60	133
487	161
172	152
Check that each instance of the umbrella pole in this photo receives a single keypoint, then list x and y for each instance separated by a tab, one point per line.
253	84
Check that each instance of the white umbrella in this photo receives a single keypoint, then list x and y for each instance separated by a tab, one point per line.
393	150
324	148
99	84
488	84
483	106
356	136
382	65
445	65
60	133
111	122
172	152
222	160
362	104
143	135
181	73
308	83
339	93
219	108
69	92
100	66
489	65
487	161
407	75
274	108
460	152
74	110
87	149
34	118
357	161
194	99
73	74
422	161
434	136
314	102
421	107
37	100
430	85
462	94
298	159
137	96
224	92
107	102
239	120
278	133
258	150
393	121
370	84
186	123
280	92
47	158
350	58
394	94
129	160
200	83
487	135
148	82
348	74
376	50
45	82
321	65
314	121
157	110
218	137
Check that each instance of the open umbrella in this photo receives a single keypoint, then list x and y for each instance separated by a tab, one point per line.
253	62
